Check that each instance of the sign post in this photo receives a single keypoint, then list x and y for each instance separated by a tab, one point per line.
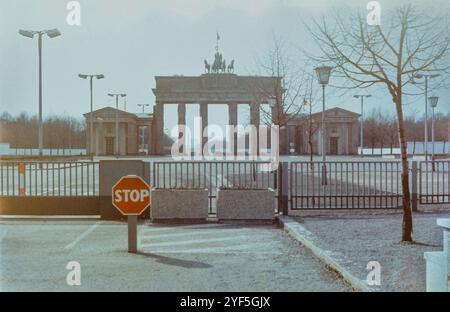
131	196
132	234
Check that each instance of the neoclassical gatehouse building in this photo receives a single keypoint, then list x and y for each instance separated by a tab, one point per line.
134	132
341	132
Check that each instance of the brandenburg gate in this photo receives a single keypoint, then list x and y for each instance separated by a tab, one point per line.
219	85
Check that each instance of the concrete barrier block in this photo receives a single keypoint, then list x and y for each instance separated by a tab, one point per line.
245	204
436	271
179	204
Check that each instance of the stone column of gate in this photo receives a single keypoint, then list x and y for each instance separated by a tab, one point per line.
254	120
182	123
158	129
204	116
150	140
233	119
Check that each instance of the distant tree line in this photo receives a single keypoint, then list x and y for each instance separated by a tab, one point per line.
380	129
60	132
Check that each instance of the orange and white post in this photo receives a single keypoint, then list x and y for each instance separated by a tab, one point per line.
21	179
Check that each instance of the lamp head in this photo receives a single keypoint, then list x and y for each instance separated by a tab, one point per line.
52	33
100	76
323	74
433	101
27	33
82	76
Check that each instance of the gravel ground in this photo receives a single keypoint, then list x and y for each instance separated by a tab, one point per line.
209	257
358	240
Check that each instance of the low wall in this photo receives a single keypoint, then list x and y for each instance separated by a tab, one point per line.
179	205
246	204
49	205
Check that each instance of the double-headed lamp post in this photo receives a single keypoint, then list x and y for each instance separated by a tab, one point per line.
143	107
125	102
361	121
323	74
433	102
426	77
91	117
52	33
116	143
144	127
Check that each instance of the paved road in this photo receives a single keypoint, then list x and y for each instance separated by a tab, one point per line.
209	257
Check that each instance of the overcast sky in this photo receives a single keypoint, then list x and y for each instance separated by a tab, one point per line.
131	41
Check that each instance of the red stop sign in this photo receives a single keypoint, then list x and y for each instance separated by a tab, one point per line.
131	195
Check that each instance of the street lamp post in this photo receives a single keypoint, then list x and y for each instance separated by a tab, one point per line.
124	102
116	143
362	122
91	119
143	107
323	74
433	102
426	77
144	127
52	33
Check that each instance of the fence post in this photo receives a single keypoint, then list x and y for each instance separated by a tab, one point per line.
283	188
414	184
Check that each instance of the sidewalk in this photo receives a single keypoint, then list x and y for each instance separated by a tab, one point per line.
351	242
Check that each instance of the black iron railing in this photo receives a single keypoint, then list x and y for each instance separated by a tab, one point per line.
345	185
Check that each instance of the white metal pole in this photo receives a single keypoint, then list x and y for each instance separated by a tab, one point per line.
362	126
116	146
432	137
426	119
91	121
324	140
40	129
323	125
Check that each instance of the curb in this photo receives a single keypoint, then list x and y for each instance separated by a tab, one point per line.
307	239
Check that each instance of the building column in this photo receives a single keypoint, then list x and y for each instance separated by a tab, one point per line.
98	132
158	129
182	122
255	120
149	139
204	116
233	120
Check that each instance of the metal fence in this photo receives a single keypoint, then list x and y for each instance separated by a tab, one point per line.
434	186
212	175
345	185
53	178
352	184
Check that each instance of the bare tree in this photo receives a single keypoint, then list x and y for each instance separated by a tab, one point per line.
407	43
287	92
59	131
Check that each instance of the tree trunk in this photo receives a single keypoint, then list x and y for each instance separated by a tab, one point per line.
407	225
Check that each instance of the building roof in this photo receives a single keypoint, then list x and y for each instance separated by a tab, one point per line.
331	112
109	110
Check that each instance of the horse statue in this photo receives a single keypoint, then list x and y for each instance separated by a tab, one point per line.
207	67
230	68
